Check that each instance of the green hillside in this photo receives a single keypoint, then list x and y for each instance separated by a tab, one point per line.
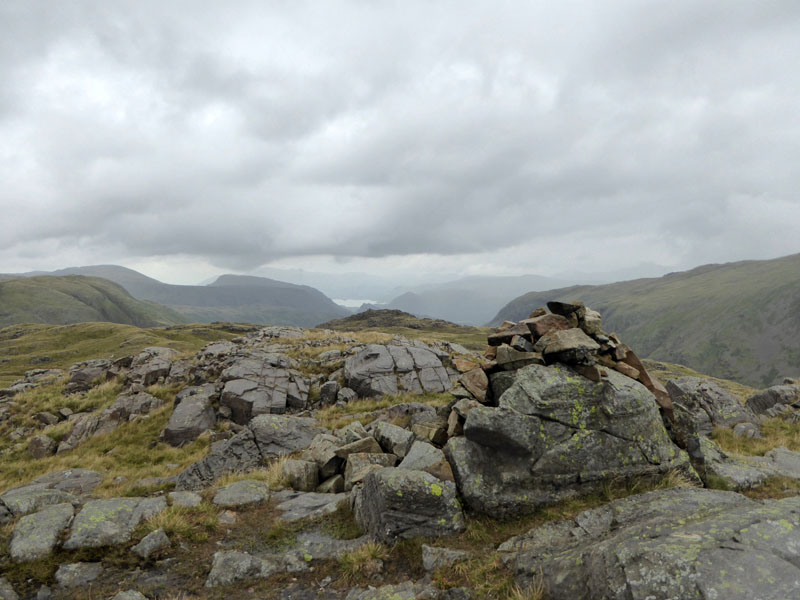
24	347
77	299
737	321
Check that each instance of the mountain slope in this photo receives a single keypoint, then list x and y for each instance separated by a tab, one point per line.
737	321
76	299
230	298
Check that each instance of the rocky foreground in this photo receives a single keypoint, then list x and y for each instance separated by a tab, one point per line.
337	468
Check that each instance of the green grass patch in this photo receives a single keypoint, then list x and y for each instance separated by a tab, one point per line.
775	433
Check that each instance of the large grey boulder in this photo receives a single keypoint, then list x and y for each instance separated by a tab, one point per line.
239	453
678	543
34	497
75	575
700	405
262	383
242	493
278	435
398	367
36	535
394	439
556	434
193	414
110	522
82	376
151	543
426	457
397	504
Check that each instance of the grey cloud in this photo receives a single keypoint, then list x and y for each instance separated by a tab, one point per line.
233	132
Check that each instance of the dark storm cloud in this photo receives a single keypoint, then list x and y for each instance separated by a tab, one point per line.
244	132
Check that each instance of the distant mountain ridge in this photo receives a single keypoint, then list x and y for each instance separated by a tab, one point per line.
736	321
77	299
230	298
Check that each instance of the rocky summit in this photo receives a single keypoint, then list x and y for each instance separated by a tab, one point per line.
290	463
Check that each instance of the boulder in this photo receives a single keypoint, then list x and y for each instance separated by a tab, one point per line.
434	558
544	324
394	439
556	434
231	566
153	542
36	535
476	383
425	457
346	395
41	446
323	451
129	595
74	481
400	367
358	465
278	435
188	499
239	453
296	506
699	406
510	359
33	497
328	393
301	475
151	365
193	414
242	493
82	376
6	591
334	485
570	346
777	395
400	504
111	521
366	445
678	543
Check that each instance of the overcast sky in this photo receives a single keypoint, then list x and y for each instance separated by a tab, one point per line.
190	138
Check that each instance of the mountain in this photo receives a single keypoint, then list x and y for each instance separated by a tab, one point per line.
76	299
736	321
470	300
230	298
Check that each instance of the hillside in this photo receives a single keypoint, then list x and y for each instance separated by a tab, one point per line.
230	298
736	321
76	299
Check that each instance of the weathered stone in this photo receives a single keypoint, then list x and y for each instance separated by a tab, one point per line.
46	418
74	481
678	543
566	308
378	370
555	434
328	393
333	485
366	445
301	475
82	376
278	435
359	464
433	432
6	591
716	466
571	346
110	522
699	406
41	446
510	359
401	503
188	499
193	414
651	383
242	493
476	383
151	365
591	322
776	395
75	575
520	343
544	324
346	395
353	432
239	453
746	430
505	336
324	452
425	457
129	595
231	566
394	439
36	535
464	366
295	506
153	542
627	370
34	497
434	558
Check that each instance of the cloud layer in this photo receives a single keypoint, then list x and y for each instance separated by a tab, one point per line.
530	137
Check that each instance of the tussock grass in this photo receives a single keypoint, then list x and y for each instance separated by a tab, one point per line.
193	524
335	417
775	433
131	451
271	474
363	560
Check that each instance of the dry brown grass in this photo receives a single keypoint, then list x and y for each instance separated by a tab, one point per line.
775	433
365	559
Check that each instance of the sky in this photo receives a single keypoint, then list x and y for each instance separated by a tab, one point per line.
404	139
